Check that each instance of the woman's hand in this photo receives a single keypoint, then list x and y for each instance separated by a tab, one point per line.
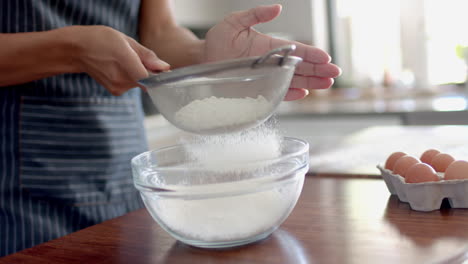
234	38
113	59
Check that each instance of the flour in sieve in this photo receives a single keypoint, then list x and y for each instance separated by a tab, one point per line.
216	112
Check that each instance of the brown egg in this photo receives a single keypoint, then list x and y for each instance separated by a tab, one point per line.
402	164
427	155
457	170
392	159
441	161
421	172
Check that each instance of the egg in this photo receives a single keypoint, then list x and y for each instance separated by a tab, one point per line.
392	159
421	172
427	155
457	170
441	161
403	163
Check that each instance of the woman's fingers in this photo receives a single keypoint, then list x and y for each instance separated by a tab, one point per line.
148	57
300	86
295	94
307	53
324	70
310	82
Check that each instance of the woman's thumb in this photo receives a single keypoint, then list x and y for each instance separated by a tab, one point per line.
149	58
152	62
253	16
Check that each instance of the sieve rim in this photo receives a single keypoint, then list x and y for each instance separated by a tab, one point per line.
200	70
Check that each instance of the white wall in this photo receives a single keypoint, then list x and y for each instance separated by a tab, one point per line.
296	20
200	13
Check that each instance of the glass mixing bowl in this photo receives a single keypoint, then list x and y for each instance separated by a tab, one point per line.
220	208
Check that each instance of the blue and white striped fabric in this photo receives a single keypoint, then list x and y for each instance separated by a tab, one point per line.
65	142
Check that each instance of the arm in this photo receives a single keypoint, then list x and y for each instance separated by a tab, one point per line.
25	57
113	59
159	32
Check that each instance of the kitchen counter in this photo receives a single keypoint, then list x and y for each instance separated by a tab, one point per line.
362	151
351	219
446	107
347	101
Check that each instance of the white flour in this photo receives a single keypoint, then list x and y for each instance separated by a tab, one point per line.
229	159
228	218
234	217
216	112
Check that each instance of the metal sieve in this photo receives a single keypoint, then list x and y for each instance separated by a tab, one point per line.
226	96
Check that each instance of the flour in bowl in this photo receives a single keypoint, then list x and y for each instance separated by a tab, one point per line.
231	217
234	200
215	112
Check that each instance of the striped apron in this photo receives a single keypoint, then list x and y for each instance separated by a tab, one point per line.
65	142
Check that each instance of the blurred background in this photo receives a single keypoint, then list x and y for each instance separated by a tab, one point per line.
404	62
406	45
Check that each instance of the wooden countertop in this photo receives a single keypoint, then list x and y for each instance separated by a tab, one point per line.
337	220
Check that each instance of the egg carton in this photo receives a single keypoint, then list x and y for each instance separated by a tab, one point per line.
426	196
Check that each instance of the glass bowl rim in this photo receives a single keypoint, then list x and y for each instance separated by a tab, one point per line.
264	181
302	150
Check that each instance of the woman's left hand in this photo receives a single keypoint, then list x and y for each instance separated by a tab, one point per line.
234	37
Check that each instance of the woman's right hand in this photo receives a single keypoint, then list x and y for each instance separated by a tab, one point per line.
113	59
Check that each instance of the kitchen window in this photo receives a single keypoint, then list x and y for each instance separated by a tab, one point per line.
416	45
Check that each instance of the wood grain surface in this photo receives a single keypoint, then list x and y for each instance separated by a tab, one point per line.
337	220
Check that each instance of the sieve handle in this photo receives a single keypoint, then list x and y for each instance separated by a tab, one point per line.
283	49
271	57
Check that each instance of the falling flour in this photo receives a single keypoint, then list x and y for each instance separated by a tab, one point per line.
236	152
215	112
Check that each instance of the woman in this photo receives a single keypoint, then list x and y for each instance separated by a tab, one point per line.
70	115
